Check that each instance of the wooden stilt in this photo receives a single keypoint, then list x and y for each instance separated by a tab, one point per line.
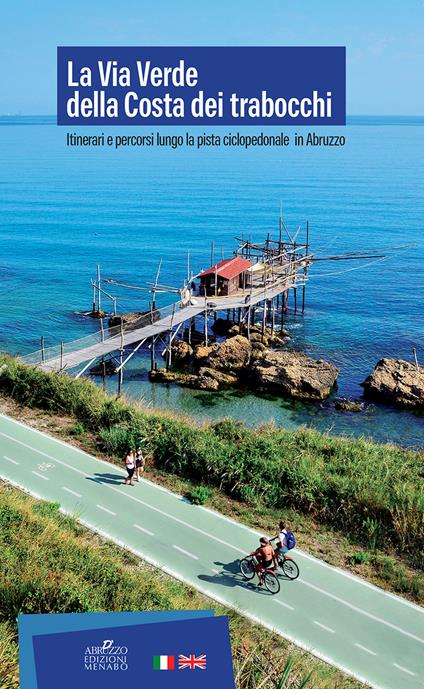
414	351
169	357
206	322
104	374
169	352
264	314
99	294
154	353
295	298
121	372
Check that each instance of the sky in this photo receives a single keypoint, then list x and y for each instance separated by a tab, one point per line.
384	41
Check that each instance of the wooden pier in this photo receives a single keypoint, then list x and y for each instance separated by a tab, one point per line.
257	275
253	285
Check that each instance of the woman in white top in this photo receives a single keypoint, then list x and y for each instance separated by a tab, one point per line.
139	463
130	467
281	539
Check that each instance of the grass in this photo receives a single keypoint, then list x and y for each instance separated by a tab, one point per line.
63	567
371	490
199	495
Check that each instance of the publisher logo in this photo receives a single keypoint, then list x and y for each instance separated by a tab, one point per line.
106	658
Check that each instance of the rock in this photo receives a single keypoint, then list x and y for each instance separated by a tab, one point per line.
133	319
293	374
348	405
181	352
398	382
189	380
258	347
201	353
230	356
95	314
223	379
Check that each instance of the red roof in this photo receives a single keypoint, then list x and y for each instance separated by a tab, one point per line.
229	268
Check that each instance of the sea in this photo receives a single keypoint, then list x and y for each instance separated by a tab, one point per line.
63	210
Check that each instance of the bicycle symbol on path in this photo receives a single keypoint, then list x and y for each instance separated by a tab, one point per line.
45	466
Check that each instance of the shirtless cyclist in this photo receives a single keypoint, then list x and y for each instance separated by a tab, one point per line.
266	557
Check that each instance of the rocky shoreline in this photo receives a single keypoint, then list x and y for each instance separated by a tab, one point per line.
396	381
260	364
240	362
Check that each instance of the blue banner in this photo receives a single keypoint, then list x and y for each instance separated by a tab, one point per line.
176	655
31	626
201	86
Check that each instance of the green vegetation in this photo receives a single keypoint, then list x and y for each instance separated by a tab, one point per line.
199	495
49	563
371	491
77	429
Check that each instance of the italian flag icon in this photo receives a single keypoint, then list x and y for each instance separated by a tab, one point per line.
164	662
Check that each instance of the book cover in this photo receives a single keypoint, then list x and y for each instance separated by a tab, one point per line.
211	345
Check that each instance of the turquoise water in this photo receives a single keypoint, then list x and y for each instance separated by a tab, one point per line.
64	210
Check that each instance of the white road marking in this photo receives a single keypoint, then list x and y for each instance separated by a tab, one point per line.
285	605
40	452
212	594
323	626
40	475
131	497
345	573
404	669
185	552
367	650
230	545
12	461
216	571
73	492
360	610
176	519
105	509
141	528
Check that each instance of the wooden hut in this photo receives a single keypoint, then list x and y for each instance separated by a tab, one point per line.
226	277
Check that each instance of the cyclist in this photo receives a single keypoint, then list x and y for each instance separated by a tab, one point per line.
281	539
265	556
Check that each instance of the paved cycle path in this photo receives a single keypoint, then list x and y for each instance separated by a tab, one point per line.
366	632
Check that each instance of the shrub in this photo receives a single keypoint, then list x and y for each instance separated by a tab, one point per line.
360	558
77	429
199	495
371	490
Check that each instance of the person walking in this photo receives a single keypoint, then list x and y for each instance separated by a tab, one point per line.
130	467
139	463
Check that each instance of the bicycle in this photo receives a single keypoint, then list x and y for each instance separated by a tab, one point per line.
288	565
248	570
